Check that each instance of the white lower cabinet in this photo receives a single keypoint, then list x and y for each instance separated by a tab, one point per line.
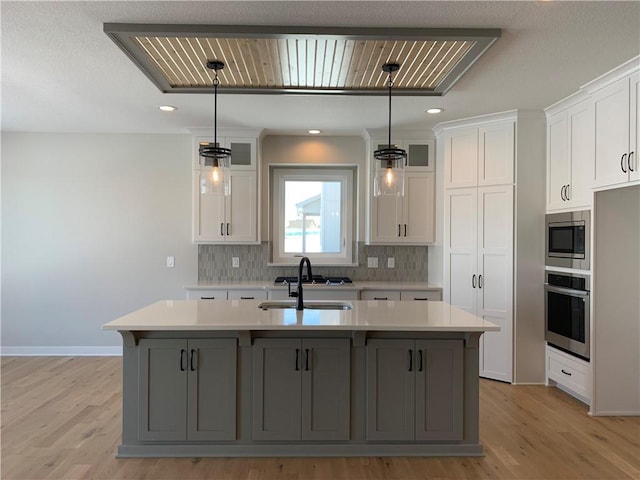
218	294
479	265
328	293
382	295
402	295
209	294
570	372
247	294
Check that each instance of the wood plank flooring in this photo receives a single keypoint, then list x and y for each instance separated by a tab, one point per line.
61	420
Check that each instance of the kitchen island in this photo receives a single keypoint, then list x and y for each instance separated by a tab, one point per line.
228	378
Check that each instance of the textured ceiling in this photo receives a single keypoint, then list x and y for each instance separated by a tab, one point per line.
61	73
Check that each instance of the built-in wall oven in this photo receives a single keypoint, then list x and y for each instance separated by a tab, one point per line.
567	240
567	312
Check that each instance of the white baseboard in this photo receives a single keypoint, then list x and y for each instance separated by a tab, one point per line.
65	351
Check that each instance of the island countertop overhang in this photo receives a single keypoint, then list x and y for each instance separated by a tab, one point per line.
238	315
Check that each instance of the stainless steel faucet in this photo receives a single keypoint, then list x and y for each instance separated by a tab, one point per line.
298	294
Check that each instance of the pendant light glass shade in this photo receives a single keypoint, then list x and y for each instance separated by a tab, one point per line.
390	160
216	159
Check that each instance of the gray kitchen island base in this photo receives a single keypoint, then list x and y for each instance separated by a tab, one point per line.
300	392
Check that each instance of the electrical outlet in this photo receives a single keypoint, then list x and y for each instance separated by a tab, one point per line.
372	262
391	262
171	262
235	262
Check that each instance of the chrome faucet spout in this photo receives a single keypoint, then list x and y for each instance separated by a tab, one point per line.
300	300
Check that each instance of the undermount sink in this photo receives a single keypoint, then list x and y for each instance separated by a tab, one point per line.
312	305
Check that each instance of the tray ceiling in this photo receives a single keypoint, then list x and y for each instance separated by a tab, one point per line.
301	59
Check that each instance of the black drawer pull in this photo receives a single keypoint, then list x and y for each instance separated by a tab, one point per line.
565	372
380	298
247	298
207	298
423	299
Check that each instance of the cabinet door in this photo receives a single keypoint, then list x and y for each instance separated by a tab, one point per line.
461	157
612	114
276	389
241	215
439	389
326	386
208	213
162	395
386	219
581	152
208	294
418	208
420	156
558	168
243	152
495	279
634	174
247	294
421	295
382	295
496	153
460	245
390	390
212	389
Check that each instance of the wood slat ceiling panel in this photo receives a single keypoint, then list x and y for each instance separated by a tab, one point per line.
303	63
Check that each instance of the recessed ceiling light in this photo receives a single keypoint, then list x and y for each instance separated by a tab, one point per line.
168	108
314	131
434	110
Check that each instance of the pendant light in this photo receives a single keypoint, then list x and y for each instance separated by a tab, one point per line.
390	160
216	158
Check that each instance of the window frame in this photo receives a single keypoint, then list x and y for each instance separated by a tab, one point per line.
345	175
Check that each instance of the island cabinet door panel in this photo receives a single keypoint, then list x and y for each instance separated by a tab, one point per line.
326	387
439	389
276	389
212	389
162	392
390	390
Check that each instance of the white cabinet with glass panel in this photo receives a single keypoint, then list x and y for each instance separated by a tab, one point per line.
408	219
231	219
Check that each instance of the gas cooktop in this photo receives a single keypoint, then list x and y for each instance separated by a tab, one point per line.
316	280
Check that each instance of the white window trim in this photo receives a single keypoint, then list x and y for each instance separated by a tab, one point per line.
308	173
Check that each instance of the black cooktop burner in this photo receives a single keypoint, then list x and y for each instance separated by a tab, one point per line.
317	280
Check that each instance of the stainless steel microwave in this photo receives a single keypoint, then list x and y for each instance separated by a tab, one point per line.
568	239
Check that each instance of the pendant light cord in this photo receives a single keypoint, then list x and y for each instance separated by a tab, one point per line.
216	82
390	84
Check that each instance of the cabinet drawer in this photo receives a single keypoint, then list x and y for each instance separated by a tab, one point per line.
431	295
569	371
257	294
380	295
207	294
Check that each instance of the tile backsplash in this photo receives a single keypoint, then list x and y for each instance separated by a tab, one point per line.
215	264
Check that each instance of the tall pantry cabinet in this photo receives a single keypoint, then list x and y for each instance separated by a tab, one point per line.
494	198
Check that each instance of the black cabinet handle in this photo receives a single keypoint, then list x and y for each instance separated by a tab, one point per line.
306	359
405	229
222	229
562	193
420	360
398	229
473	281
479	281
247	298
207	298
193	361
410	360
631	169
297	359
565	372
567	192
622	163
380	298
182	352
228	229
421	299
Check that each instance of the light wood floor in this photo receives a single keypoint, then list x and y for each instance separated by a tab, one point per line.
61	420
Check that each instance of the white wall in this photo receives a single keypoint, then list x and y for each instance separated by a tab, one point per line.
87	223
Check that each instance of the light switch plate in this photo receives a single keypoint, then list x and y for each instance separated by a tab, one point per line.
235	262
372	262
391	262
171	262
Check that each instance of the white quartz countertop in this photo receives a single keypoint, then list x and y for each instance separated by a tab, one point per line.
245	315
356	285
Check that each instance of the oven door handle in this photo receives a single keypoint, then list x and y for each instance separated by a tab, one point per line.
566	291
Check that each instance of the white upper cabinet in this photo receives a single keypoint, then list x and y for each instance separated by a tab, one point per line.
570	153
232	219
409	219
479	155
616	106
